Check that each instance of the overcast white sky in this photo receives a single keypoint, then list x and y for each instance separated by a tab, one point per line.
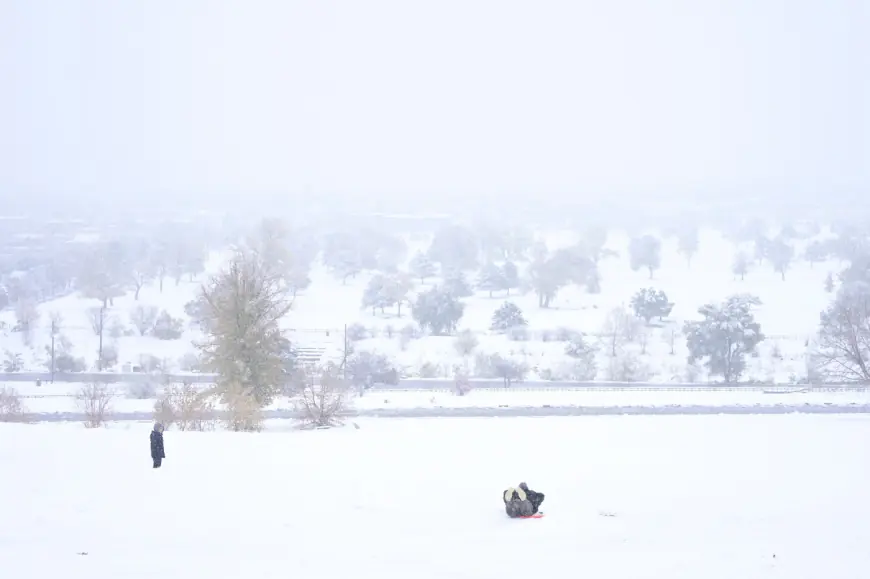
424	98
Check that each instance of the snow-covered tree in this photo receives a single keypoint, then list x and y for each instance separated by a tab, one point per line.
244	343
583	353
687	243
817	252
645	252
649	303
456	284
506	317
491	279
547	276
780	253
143	318
740	266
422	266
375	295
725	335
511	276
438	311
465	343
842	351
620	328
455	247
26	318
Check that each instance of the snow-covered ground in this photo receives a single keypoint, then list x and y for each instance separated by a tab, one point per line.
627	497
789	317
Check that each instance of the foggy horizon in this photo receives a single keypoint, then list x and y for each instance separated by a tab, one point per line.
398	106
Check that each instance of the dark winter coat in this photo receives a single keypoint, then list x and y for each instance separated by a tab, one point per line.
521	502
157	444
534	497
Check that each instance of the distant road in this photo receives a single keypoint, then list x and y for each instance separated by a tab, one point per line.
428	384
516	412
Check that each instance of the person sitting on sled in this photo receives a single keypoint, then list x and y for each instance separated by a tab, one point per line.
521	501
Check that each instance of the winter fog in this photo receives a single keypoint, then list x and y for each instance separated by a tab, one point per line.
324	244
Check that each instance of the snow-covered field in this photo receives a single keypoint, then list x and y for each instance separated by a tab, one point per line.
627	497
789	317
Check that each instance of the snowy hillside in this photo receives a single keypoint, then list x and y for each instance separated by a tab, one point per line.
788	316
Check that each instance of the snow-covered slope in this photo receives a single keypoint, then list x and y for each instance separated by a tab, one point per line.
788	316
712	497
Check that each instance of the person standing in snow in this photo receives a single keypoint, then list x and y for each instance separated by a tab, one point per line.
521	501
157	452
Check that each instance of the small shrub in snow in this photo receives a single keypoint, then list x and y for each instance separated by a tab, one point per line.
14	362
109	356
411	332
142	390
461	384
566	334
65	362
581	369
189	362
11	408
389	331
829	283
429	370
509	370
167	328
579	348
693	373
323	399
518	334
152	364
244	413
94	401
185	407
548	335
26	317
368	368
483	366
357	332
407	335
465	343
776	352
627	367
117	329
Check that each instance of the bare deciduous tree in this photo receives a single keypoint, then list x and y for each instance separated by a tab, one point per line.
100	320
144	318
620	328
842	351
95	401
54	331
26	318
140	276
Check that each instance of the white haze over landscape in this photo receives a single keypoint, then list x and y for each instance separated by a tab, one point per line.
162	132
